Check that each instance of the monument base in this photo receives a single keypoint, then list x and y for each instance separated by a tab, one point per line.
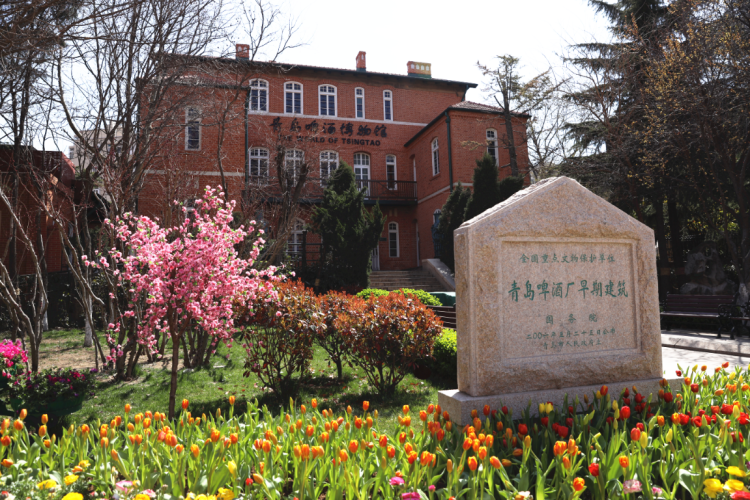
459	404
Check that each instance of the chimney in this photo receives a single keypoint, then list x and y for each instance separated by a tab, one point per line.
419	69
361	64
242	51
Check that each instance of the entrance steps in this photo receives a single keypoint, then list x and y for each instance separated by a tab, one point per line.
418	279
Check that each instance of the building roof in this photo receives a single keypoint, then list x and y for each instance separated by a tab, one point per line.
473	107
359	73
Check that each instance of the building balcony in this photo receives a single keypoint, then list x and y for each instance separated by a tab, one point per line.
384	192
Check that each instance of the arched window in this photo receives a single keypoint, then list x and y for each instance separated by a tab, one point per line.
387	105
192	129
390	171
329	161
327	95
359	102
259	96
492	144
362	171
296	238
393	250
435	157
293	162
293	98
259	165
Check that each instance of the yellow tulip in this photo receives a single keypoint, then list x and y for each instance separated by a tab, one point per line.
644	440
735	471
549	408
232	468
70	479
712	487
669	435
47	484
734	485
225	494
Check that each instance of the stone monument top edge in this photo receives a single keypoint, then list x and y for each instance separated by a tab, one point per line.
558	188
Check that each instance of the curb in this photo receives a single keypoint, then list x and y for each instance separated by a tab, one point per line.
692	342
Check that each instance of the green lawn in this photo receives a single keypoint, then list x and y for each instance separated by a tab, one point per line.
209	388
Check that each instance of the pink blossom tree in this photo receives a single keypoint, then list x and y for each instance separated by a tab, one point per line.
190	275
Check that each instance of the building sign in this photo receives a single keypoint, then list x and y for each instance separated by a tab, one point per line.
568	298
328	132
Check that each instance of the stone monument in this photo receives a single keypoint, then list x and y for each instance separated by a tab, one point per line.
556	294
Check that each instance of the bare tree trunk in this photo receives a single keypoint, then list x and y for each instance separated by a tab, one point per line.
509	133
88	339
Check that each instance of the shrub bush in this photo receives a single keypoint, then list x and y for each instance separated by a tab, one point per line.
424	297
329	337
444	353
372	292
279	342
389	335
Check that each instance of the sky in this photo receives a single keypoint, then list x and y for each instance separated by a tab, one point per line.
451	35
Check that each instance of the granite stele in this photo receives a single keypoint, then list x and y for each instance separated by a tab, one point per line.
556	294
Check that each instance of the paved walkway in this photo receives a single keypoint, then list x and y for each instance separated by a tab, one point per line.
688	348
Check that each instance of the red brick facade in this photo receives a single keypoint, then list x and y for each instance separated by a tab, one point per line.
55	174
419	106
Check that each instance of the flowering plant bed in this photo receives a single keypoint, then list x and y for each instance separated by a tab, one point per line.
688	444
60	391
13	358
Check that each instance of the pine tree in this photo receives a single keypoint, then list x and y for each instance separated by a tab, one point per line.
349	232
486	193
451	216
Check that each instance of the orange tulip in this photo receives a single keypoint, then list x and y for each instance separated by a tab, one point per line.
45	419
473	464
23	414
482	454
18	425
104	442
185	404
47	443
127	408
353	446
195	450
7	463
405	409
303	409
343	455
42	430
578	484
495	462
365	405
5	441
114	455
624	462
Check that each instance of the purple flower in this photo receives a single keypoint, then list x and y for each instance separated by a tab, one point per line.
396	481
631	486
431	488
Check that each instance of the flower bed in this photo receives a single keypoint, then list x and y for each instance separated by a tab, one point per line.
689	443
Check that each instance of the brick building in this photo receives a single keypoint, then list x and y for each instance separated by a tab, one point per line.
54	174
408	137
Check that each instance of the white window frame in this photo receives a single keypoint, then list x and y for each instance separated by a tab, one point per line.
387	98
297	157
435	156
357	96
298	228
390	160
368	164
188	124
258	86
301	98
492	145
393	230
254	154
325	90
331	156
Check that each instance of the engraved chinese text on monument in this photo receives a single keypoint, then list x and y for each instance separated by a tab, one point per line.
568	298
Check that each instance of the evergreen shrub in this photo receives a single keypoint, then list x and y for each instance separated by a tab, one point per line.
372	292
425	298
445	354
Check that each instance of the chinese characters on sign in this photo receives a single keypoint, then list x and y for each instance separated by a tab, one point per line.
347	131
561	299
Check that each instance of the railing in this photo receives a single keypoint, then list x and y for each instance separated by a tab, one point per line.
389	191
